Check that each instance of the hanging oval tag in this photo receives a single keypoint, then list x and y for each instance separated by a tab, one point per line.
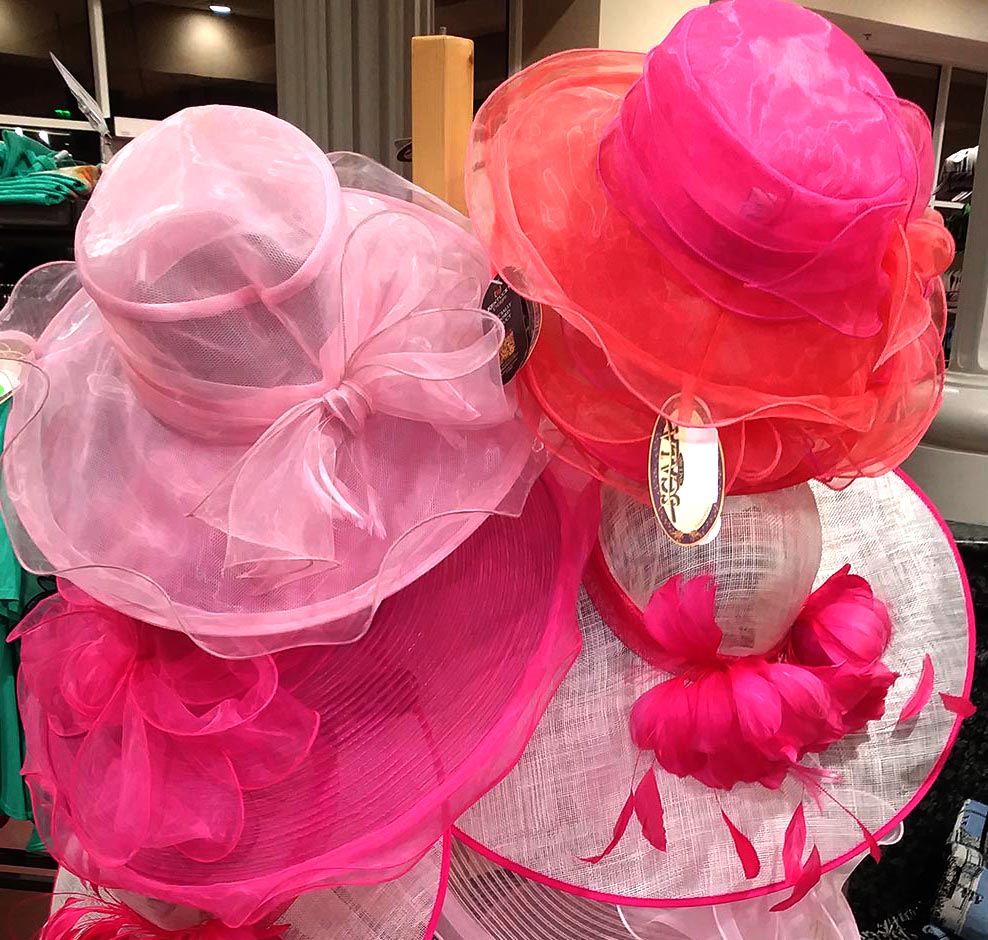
522	319
686	479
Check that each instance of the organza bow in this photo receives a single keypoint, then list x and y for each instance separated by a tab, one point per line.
173	737
409	344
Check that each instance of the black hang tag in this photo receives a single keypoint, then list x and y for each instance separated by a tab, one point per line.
522	321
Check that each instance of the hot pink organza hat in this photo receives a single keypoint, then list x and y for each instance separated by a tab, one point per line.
237	785
748	714
404	909
277	392
733	230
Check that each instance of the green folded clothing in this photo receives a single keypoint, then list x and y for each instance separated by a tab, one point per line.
42	189
30	173
20	156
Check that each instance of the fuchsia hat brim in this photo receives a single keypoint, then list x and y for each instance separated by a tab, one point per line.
237	785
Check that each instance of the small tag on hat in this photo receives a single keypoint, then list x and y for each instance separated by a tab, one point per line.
686	479
522	321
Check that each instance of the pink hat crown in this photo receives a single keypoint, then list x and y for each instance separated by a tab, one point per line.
762	146
224	258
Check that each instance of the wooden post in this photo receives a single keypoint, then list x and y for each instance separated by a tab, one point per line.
442	111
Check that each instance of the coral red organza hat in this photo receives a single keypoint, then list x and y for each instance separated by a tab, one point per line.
747	714
404	909
278	393
731	230
236	785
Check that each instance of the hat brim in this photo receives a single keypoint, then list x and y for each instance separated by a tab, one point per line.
560	803
135	541
488	902
842	406
407	908
415	722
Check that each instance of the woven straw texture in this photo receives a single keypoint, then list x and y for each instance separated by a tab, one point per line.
562	800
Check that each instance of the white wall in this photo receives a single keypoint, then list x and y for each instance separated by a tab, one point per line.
945	31
965	19
637	25
953	31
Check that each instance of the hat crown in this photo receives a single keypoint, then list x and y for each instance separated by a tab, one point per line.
237	279
212	200
798	93
764	561
762	146
212	249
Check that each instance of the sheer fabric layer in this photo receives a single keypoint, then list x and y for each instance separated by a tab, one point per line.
816	358
234	786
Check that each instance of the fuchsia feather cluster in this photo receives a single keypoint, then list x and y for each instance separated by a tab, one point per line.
105	918
726	720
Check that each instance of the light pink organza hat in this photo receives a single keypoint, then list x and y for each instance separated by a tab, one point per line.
236	785
746	715
277	392
404	909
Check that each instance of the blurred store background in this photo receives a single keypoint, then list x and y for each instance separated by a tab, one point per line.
339	68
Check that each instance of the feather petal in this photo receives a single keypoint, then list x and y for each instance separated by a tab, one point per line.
959	705
924	689
746	851
648	809
794	844
624	817
808	879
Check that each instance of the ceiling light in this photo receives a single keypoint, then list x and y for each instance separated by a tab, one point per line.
219	9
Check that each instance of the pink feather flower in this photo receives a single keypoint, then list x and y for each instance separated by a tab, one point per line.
841	623
841	634
748	721
724	721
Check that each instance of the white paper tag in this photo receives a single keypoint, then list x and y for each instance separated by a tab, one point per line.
686	479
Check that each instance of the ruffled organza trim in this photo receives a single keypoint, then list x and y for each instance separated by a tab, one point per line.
239	545
795	399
